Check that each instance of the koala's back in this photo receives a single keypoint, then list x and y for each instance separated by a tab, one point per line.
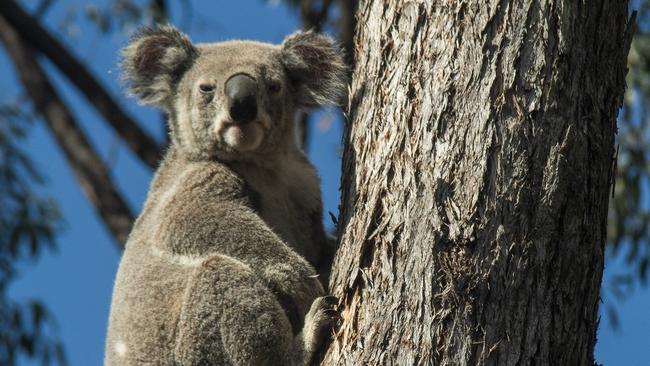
145	308
174	310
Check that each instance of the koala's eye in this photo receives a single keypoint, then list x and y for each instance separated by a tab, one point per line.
206	88
275	86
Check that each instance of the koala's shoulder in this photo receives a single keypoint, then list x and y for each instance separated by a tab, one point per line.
214	180
203	179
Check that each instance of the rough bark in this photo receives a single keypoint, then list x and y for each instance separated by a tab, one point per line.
93	177
142	145
475	181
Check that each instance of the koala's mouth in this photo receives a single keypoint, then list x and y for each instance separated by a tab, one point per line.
242	137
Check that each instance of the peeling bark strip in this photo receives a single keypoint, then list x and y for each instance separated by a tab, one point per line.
475	181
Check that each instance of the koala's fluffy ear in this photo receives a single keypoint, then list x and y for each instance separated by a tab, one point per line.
316	68
154	62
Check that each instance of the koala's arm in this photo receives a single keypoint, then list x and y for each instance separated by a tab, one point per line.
230	228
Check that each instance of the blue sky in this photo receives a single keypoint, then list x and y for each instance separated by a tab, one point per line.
76	281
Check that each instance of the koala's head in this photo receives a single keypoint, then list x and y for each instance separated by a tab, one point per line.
233	100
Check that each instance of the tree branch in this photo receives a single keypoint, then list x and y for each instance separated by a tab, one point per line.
347	27
88	168
159	9
31	31
313	19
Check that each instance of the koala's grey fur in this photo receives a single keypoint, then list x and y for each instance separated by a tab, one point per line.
217	268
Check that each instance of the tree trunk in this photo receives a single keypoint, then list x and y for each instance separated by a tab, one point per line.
476	178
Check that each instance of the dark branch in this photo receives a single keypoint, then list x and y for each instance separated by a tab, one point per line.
94	179
313	19
159	9
43	7
31	31
347	27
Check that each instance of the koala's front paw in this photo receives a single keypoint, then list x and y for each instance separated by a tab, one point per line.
320	321
296	285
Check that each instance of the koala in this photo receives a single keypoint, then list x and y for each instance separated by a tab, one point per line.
219	267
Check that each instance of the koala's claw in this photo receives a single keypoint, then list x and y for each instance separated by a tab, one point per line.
332	313
295	286
320	322
330	309
331	300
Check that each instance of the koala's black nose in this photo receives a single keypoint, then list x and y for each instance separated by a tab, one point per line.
241	91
